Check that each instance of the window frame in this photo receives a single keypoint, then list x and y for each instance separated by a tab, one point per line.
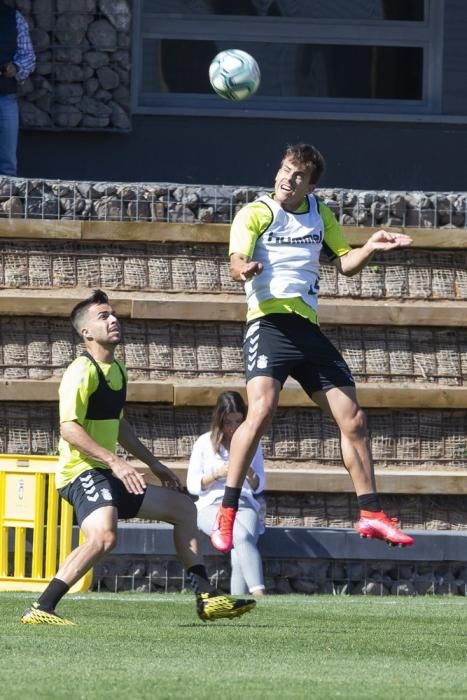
425	34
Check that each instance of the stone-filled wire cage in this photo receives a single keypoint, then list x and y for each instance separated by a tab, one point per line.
204	267
159	350
412	273
82	75
173	202
419	438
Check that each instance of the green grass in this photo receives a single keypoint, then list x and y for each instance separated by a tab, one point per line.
141	646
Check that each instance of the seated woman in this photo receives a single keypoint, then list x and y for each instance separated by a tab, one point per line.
206	479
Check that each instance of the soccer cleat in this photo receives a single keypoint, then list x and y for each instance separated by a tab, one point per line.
215	606
222	533
35	616
378	526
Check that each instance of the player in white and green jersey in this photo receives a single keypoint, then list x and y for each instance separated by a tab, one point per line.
101	486
275	247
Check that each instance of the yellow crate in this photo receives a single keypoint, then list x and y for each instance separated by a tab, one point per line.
29	500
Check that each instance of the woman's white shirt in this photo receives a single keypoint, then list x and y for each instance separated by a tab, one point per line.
204	461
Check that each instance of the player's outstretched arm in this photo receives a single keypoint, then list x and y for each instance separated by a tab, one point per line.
380	241
132	444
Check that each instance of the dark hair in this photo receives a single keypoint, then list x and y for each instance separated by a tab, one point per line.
227	402
97	297
310	157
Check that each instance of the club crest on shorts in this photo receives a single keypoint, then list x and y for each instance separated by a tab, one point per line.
262	362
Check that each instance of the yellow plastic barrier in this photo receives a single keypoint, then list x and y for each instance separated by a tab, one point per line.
29	500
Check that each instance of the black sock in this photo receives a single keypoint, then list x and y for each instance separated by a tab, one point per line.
52	595
231	497
369	501
199	579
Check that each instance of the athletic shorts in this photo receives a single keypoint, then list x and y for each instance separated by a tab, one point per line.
282	345
97	488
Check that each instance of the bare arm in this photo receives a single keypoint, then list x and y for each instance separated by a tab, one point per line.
356	259
132	444
243	267
76	435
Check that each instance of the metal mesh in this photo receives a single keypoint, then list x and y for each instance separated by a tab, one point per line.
406	274
286	575
427	438
40	349
173	202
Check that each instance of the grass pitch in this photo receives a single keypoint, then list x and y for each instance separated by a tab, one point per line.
141	646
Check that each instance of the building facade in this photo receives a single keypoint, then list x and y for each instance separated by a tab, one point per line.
121	91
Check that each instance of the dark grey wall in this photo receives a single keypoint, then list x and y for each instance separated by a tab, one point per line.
246	152
455	57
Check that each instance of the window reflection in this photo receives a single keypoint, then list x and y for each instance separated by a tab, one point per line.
291	70
395	10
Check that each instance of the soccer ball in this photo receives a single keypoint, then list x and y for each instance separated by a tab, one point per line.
234	74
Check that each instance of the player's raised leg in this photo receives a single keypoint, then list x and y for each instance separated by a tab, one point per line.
263	395
373	523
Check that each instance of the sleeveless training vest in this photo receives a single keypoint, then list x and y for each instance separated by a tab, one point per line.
105	403
289	250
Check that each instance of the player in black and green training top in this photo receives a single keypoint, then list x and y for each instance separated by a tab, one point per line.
101	486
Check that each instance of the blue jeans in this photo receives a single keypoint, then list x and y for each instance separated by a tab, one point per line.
9	124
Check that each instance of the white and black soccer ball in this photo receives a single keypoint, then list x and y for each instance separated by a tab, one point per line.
234	74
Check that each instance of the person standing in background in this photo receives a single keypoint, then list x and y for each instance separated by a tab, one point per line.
17	61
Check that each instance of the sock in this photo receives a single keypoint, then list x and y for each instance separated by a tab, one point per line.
52	595
369	502
231	497
199	579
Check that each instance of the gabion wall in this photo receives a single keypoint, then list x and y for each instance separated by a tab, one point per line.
337	577
82	76
172	202
154	350
411	438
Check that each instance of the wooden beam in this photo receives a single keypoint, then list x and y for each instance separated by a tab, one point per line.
412	395
39	228
455	238
54	302
204	392
316	479
47	390
390	482
191	307
194	392
225	307
390	312
152	231
232	307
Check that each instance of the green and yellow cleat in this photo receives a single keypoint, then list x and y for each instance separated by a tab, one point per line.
216	606
35	616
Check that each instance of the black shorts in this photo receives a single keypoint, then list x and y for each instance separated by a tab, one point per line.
97	488
282	345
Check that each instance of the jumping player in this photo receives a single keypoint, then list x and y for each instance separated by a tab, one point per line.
275	245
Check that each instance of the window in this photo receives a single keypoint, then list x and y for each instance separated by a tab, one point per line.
316	57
